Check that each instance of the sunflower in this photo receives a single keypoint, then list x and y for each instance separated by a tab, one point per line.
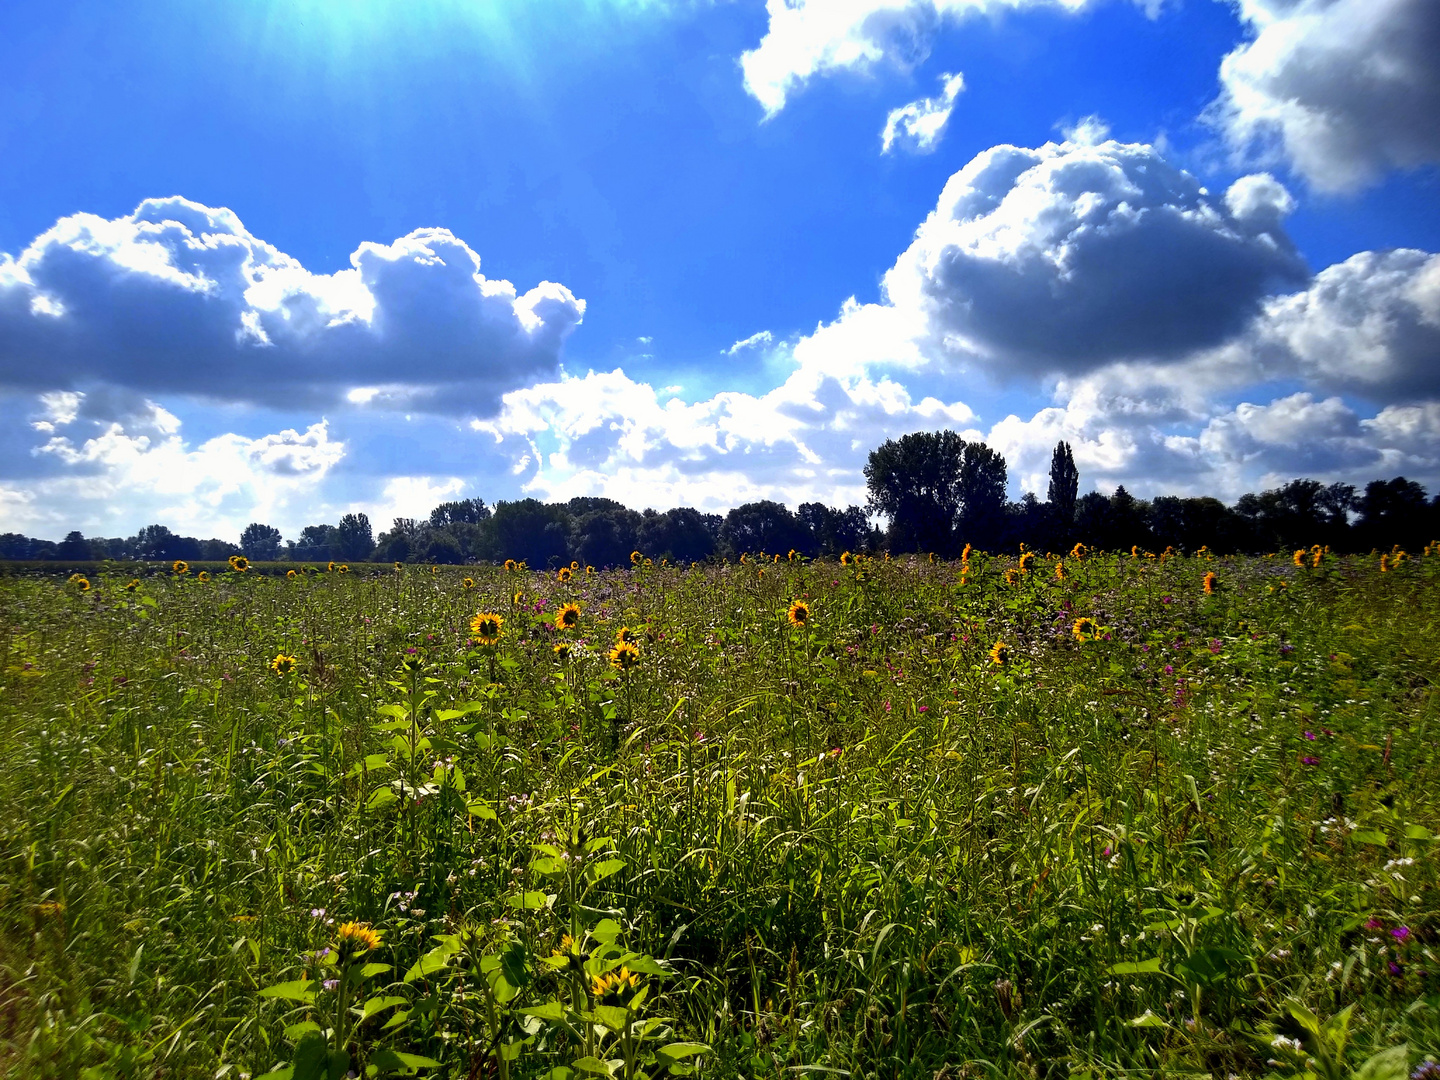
486	628
239	563
330	567
180	566
1384	563
1012	576
932	558
612	988
627	635
290	574
1000	654
1316	558
1059	571
81	582
398	566
1299	556
132	584
589	570
1134	551
625	655
965	555
791	556
467	583
518	598
282	664
1210	582
1085	629
434	569
568	617
511	564
562	650
799	613
204	575
564	574
354	939
635	558
845	558
1027	561
575	564
744	559
343	568
1079	551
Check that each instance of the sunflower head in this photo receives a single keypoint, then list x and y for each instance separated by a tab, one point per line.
330	567
518	598
627	635
1059	571
1000	654
1012	576
204	575
846	558
80	582
565	574
467	583
354	939
239	563
799	613
511	564
575	564
1316	558
434	569
132	584
180	566
635	558
343	568
282	664
1384	564
1085	629
486	628
568	617
965	555
1027	561
398	566
1210	582
791	556
1299	556
290	575
562	650
625	655
1078	551
615	987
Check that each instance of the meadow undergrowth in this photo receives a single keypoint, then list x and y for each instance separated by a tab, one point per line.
326	823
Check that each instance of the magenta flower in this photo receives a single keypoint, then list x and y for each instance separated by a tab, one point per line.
1309	761
1400	933
1310	735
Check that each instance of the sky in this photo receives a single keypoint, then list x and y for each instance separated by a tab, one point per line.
281	260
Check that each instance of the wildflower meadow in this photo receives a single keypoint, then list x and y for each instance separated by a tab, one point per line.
1091	815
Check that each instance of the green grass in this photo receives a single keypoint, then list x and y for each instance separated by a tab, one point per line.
856	847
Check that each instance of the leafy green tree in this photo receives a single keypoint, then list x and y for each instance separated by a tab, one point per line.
260	542
354	540
1063	490
915	481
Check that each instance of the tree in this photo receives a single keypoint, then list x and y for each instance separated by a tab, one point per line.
1064	487
531	531
605	537
762	527
1393	512
915	481
260	542
681	535
74	546
835	531
354	540
464	512
316	544
981	488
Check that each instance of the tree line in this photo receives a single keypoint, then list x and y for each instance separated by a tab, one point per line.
935	491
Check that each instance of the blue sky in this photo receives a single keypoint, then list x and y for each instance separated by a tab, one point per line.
1210	269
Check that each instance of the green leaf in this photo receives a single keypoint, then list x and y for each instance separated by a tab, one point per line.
1136	967
437	959
312	1057
290	991
1369	836
481	809
373	969
1392	1064
551	1010
606	931
1147	1019
547	865
395	1062
378	1005
381	797
296	1031
370	763
1207	966
601	870
529	901
1418	832
593	1065
612	1016
684	1049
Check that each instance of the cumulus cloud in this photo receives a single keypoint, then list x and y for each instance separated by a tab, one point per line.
919	125
181	298
1343	89
754	341
118	458
608	434
807	38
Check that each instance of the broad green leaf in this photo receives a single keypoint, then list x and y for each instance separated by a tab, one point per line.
373	969
592	1065
1392	1064
378	1005
437	959
290	991
1136	967
551	1010
1147	1019
612	1016
684	1049
481	809
1370	836
370	763
381	797
529	901
312	1057
601	870
606	931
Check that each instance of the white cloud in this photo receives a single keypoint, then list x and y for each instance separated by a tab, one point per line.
181	298
919	125
607	434
807	38
754	341
118	459
1343	89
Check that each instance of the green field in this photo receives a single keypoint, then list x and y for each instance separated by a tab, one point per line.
1199	841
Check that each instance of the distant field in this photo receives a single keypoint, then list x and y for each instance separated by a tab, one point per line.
1097	819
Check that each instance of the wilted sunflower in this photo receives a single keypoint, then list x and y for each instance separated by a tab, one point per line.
486	628
627	635
625	655
282	664
511	564
354	939
1210	582
568	617
1012	576
1027	561
204	575
1085	629
180	566
564	574
467	583
1000	654
562	650
799	613
239	563
635	558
